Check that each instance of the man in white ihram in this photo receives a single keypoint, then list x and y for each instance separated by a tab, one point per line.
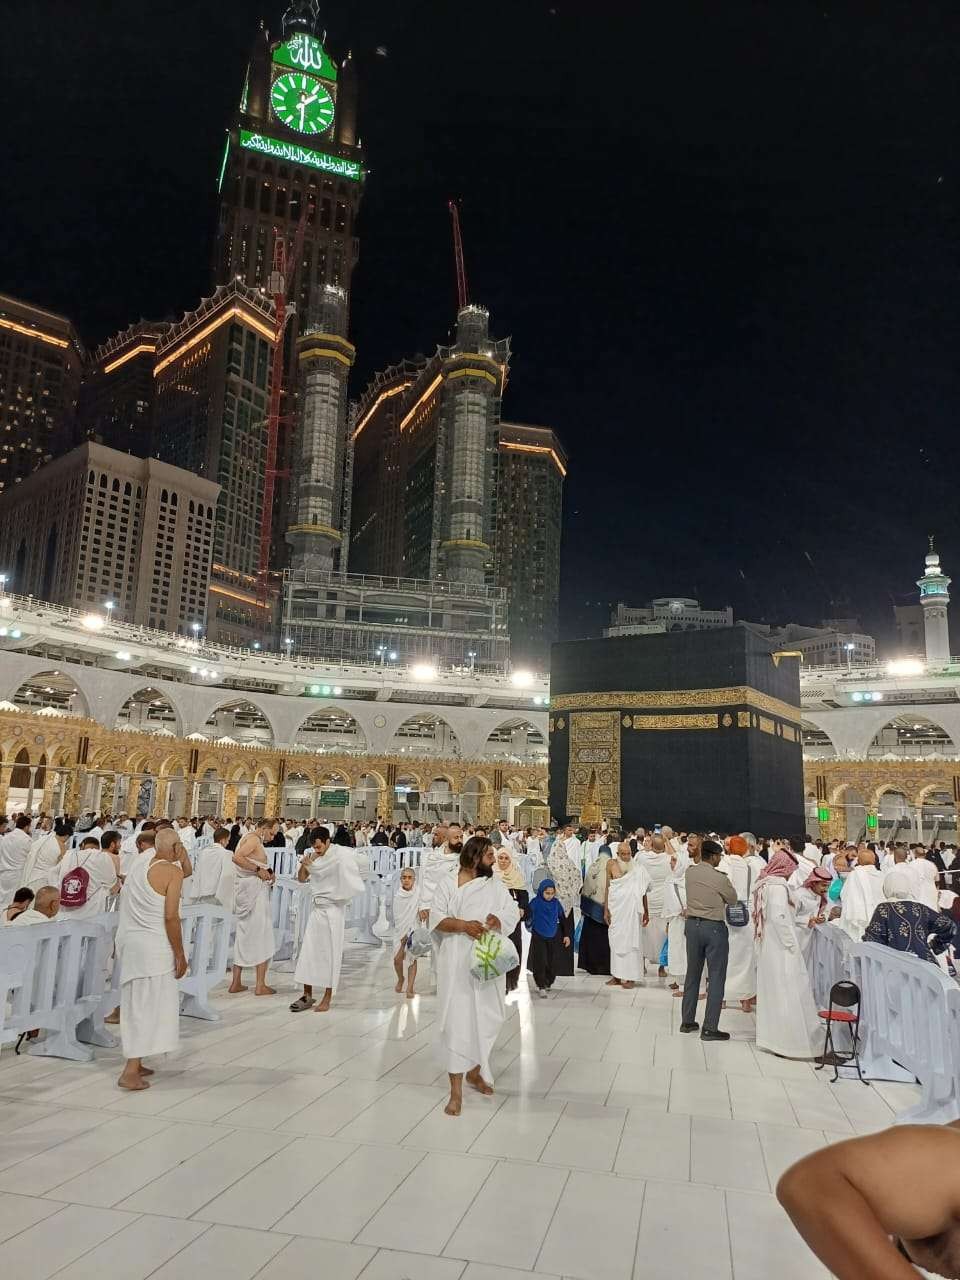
471	1012
15	848
151	958
862	894
334	881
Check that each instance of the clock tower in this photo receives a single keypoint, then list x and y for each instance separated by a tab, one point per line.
292	146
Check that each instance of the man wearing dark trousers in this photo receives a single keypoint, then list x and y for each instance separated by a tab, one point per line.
709	892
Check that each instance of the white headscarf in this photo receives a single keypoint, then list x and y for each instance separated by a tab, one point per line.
898	886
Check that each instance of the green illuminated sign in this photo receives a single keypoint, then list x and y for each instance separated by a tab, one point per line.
306	53
823	814
871	822
337	798
295	154
301	103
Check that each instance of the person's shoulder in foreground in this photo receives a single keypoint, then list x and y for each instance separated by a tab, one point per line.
879	1207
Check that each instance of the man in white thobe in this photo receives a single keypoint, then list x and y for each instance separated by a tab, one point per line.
626	916
152	960
334	880
657	863
743	870
15	848
438	866
471	1011
925	876
44	908
862	894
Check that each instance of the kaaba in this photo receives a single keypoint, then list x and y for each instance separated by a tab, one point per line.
698	729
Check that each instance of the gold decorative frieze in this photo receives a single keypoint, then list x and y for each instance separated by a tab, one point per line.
593	770
623	700
676	721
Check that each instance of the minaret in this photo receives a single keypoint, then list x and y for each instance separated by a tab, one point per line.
472	381
324	356
935	597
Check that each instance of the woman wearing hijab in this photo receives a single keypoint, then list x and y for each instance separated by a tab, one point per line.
787	1022
550	937
343	837
903	923
506	869
594	953
568	883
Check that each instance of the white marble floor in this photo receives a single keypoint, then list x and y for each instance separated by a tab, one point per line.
284	1146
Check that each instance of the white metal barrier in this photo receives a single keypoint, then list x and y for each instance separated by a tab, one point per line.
52	977
383	860
911	1019
831	958
206	941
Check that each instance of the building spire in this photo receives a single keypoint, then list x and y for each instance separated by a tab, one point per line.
301	15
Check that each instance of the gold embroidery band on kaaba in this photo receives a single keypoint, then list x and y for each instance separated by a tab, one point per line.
697	721
675	698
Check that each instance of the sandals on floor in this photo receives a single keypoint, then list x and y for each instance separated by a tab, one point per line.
300	1005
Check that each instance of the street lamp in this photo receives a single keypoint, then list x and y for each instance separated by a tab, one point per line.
472	655
288	641
849	648
3	584
110	605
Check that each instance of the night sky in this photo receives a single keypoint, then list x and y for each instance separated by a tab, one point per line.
723	238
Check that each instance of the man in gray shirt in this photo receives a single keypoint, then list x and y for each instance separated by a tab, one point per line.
709	892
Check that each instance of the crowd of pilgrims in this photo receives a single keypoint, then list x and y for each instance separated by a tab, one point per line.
629	906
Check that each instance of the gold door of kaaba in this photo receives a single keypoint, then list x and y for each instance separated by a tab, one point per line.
593	778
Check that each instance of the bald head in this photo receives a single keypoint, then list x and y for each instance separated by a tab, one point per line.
624	852
658	844
865	858
47	901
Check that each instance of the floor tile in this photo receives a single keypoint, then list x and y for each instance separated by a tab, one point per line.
65	1236
784	1145
38	1174
330	1259
136	1251
19	1213
341	1204
390	1265
184	1190
699	1093
42	1129
425	1210
644	1089
727	1153
108	1183
816	1107
683	1232
223	1253
436	1133
570	1250
281	1102
530	1074
581	1044
396	1114
764	1243
336	1107
633	1047
760	1098
518	1202
480	1271
262	1197
583	1081
678	1051
586	1137
520	1129
655	1146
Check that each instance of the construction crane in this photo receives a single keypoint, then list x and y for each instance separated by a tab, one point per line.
277	288
463	296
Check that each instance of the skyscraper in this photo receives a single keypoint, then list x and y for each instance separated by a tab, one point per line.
292	150
212	375
41	360
116	398
527	504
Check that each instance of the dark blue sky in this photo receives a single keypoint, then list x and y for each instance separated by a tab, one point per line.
724	239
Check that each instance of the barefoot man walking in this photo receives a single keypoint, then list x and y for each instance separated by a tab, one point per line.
471	1012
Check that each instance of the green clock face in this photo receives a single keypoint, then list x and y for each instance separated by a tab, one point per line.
302	103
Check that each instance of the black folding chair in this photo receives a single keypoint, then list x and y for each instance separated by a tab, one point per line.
843	997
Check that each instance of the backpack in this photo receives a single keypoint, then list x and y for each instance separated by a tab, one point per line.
75	887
